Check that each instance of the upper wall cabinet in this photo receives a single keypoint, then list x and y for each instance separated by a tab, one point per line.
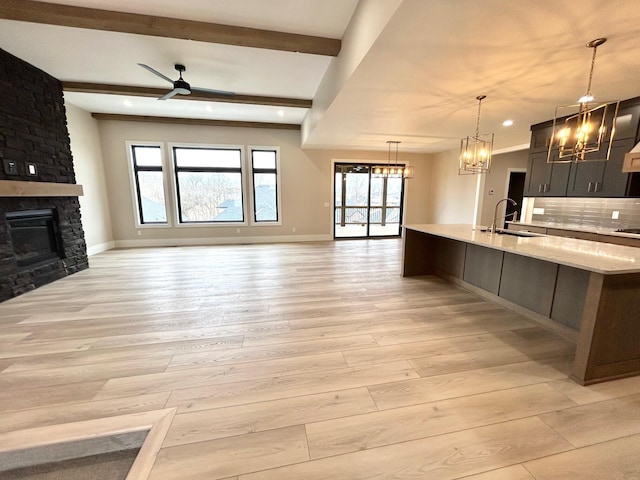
585	179
628	119
601	179
546	179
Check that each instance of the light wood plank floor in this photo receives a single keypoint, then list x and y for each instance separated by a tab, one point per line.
310	361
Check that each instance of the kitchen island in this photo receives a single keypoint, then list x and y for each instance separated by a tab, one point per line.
586	290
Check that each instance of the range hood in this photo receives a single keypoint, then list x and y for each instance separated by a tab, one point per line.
632	160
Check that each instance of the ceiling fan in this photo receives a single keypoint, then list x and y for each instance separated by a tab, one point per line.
180	86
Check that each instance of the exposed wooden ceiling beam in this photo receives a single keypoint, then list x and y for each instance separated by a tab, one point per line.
104	88
194	121
81	17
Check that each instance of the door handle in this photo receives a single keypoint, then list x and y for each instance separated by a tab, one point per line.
589	187
598	187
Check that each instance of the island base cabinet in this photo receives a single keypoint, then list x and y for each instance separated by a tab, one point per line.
528	282
570	295
482	268
609	339
418	253
427	255
601	310
450	257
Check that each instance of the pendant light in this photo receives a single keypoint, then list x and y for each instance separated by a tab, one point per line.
392	171
475	152
584	132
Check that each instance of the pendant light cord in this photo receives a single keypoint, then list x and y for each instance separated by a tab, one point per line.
479	98
592	44
593	62
397	154
389	142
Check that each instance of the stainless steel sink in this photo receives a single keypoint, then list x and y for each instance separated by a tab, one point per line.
517	233
514	233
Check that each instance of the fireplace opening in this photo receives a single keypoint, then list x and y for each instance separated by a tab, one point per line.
35	236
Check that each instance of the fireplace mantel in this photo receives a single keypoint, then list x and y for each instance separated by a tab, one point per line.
12	188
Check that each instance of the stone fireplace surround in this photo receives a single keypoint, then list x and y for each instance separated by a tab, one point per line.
33	129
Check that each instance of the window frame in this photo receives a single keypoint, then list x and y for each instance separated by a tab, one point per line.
135	188
176	187
253	221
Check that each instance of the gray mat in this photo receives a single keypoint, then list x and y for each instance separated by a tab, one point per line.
106	457
105	466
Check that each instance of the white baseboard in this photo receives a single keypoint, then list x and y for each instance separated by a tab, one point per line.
103	247
191	242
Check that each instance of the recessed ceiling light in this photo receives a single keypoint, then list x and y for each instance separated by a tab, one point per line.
507	123
281	113
128	103
208	108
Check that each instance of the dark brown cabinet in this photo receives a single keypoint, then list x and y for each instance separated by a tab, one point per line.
528	282
449	258
628	120
546	179
601	179
483	267
585	179
540	138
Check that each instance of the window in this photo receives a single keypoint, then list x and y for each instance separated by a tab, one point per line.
264	166
149	184
209	184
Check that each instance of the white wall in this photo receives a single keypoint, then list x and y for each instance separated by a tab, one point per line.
437	194
305	182
452	197
497	181
368	20
89	168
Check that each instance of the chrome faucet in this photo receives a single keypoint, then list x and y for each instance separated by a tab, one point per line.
494	223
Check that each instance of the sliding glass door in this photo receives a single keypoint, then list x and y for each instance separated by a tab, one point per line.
366	206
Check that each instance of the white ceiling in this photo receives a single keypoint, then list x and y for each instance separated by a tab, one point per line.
417	83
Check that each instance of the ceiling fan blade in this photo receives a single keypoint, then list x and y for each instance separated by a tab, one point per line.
155	72
172	93
215	92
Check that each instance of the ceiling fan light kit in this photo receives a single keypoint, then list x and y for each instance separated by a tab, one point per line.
584	128
181	86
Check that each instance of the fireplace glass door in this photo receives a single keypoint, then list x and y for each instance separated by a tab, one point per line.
34	235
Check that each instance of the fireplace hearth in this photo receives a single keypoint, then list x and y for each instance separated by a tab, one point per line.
35	236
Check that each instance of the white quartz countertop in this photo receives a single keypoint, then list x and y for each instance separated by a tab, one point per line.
596	257
576	228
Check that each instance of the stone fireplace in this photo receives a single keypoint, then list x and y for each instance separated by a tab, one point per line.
41	235
34	236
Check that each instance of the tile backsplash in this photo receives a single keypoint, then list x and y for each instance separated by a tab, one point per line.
586	212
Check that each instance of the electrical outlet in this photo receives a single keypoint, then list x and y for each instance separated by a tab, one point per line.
293	229
32	170
615	214
237	230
